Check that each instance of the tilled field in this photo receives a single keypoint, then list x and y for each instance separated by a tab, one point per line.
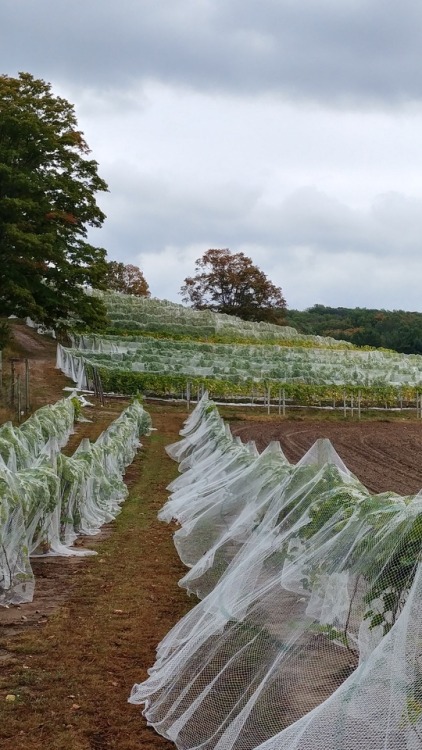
385	456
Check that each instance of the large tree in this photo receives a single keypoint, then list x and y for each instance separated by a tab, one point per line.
230	283
47	202
127	279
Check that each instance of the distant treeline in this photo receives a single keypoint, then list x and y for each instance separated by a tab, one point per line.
397	329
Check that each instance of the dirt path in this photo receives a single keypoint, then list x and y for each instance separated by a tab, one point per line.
46	383
71	656
72	672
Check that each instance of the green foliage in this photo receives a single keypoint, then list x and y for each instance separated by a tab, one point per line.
163	384
224	338
5	334
47	203
77	407
397	558
397	330
333	634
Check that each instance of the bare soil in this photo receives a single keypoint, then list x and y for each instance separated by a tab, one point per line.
384	455
71	656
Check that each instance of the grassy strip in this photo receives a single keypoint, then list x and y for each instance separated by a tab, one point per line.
72	676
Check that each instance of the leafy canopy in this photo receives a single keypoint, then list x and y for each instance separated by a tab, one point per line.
47	202
232	284
127	279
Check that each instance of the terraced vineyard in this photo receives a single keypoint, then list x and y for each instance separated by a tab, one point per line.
176	351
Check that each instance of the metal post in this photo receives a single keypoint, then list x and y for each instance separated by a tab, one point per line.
269	399
344	404
188	395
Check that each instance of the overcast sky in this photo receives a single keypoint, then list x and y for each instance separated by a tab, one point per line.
291	131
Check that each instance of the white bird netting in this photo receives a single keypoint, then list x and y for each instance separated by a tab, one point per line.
309	631
55	498
242	362
133	313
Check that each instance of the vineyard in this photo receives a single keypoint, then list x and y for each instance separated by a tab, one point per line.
255	362
128	315
303	628
307	632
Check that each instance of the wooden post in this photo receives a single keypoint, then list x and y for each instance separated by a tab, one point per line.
268	400
27	400
344	404
188	395
284	402
359	402
12	387
351	404
18	396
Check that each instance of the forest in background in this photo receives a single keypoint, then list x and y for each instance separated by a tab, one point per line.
396	329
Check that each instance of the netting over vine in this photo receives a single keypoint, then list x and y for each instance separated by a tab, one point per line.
308	633
47	499
137	314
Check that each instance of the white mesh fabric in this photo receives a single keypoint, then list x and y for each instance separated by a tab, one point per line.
213	536
314	592
379	705
45	507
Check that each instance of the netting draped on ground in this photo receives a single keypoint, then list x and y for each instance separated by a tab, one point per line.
309	631
45	507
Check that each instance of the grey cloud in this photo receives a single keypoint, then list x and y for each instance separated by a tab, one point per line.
316	247
338	52
147	215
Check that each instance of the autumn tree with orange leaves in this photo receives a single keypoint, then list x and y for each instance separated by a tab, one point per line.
48	186
127	279
230	283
